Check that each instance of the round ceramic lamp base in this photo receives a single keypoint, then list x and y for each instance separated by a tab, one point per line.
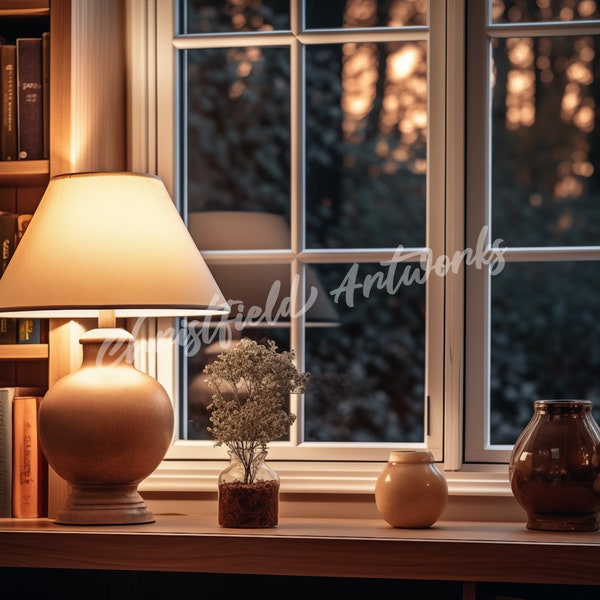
118	505
104	428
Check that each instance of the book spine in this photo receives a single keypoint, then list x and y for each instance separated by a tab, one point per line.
6	426
26	458
8	241
46	91
8	238
30	127
8	331
29	331
8	81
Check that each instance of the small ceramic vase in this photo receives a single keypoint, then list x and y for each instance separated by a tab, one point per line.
411	492
554	469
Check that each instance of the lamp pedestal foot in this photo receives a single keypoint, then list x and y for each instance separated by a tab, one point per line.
104	505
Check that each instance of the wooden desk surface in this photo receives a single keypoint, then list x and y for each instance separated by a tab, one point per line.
453	551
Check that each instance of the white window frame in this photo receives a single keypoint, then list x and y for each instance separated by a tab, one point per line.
478	447
194	465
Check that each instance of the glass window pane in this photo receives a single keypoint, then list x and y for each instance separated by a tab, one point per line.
367	373
206	344
238	129
366	121
226	16
364	13
545	344
545	141
525	11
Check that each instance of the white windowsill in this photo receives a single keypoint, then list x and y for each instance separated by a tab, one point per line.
322	478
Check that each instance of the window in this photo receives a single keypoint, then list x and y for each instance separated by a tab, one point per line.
422	164
533	178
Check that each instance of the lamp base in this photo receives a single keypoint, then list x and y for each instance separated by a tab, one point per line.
104	505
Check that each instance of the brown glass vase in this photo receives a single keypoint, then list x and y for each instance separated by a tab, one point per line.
248	494
554	468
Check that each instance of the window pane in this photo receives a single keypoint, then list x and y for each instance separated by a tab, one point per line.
523	11
366	120
364	13
207	344
545	336
238	129
367	374
545	141
220	16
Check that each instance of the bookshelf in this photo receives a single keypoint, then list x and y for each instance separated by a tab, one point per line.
22	184
87	132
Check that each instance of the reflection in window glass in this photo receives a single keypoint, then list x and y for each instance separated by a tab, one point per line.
238	129
546	178
200	354
366	120
227	16
364	13
545	336
367	373
524	11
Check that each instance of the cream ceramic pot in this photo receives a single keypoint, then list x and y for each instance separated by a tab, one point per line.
410	491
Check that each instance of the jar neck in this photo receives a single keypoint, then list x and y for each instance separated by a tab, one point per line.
567	408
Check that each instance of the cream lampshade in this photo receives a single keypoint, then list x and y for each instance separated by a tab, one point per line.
107	245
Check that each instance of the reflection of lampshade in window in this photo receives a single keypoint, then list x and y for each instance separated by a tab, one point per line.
249	285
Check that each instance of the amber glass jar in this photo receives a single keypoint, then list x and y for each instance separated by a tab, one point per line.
555	466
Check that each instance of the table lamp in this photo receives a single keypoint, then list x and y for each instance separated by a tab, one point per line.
107	245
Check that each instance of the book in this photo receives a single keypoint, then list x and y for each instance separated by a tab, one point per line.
8	237
30	113
46	92
5	453
8	242
28	331
8	330
29	466
8	83
7	395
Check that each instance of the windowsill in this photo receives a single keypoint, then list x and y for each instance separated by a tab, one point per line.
330	490
325	477
465	551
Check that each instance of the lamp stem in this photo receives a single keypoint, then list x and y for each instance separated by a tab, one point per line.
107	318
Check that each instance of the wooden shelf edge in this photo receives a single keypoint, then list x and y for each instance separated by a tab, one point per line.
448	551
24	172
23	351
24	7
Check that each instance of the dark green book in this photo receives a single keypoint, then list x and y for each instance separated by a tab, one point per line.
8	84
30	102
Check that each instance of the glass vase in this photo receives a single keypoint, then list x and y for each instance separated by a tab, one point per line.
248	496
555	466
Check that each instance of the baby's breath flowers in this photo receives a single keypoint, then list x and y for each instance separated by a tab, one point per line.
250	384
